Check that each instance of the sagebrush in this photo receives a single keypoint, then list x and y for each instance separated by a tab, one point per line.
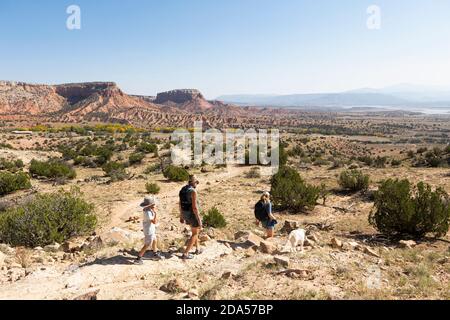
48	218
403	209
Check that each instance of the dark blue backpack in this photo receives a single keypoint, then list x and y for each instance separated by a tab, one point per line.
185	198
261	211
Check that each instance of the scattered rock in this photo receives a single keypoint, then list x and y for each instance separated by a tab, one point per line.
267	247
90	296
250	252
15	274
241	234
336	243
298	274
72	246
173	286
95	244
204	238
354	245
310	243
2	258
52	247
314	238
228	275
211	233
248	237
192	294
118	235
253	239
409	244
7	249
371	252
282	261
134	219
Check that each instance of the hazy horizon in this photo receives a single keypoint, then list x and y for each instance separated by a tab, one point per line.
227	47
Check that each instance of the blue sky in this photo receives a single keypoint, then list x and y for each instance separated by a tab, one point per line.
227	46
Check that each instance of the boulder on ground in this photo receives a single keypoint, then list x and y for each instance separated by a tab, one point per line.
282	261
118	235
90	296
72	246
94	243
248	237
6	249
173	286
228	275
204	238
336	243
52	247
354	245
309	243
371	252
267	247
314	238
409	244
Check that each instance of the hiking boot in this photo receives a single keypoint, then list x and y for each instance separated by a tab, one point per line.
158	255
187	256
138	261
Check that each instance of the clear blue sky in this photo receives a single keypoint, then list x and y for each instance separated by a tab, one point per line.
227	46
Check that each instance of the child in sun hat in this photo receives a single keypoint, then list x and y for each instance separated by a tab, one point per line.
149	224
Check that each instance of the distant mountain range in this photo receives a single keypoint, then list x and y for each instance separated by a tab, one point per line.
401	96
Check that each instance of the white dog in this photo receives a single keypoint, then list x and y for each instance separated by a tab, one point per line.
296	238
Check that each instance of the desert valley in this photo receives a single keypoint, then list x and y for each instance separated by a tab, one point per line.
90	147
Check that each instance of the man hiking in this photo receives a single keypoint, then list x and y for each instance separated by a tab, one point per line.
264	215
190	214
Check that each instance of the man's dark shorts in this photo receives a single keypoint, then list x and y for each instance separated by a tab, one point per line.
191	219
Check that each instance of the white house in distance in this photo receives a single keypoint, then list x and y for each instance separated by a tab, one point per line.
26	133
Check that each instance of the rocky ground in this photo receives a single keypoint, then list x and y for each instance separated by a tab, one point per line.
344	257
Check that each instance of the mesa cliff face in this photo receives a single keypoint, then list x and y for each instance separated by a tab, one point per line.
106	102
179	96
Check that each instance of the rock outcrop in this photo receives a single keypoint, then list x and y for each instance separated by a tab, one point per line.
106	102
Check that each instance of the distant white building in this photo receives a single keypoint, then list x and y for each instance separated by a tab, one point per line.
27	133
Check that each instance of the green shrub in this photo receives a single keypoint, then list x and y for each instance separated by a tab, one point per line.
214	218
396	162
115	170
354	180
176	174
145	147
13	166
152	188
136	158
52	169
47	218
380	162
103	155
401	209
291	192
10	182
152	168
367	160
253	173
